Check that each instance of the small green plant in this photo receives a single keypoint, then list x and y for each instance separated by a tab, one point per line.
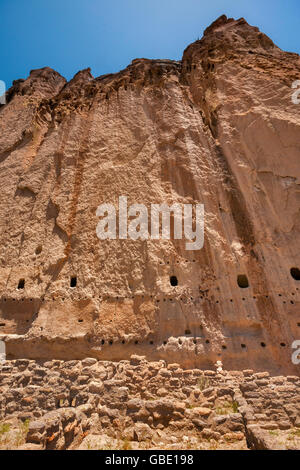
4	428
189	406
295	433
22	432
25	426
4	434
227	407
235	406
273	433
12	436
203	383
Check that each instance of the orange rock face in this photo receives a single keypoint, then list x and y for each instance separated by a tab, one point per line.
218	128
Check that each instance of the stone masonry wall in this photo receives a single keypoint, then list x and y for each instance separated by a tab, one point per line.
139	404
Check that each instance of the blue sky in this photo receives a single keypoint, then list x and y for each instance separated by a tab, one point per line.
69	35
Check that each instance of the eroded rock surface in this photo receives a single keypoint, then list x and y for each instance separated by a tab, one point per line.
218	128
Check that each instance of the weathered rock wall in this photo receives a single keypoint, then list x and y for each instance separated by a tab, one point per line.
140	404
218	128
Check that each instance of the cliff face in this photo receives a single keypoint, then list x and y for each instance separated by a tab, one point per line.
218	128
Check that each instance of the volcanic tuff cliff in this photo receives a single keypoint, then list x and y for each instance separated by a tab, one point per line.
217	128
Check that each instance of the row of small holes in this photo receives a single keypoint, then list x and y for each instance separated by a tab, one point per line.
151	296
242	279
224	347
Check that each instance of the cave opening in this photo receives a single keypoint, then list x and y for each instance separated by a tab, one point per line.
21	284
295	273
242	281
73	281
173	281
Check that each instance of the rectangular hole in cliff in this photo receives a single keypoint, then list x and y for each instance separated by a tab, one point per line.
73	281
242	281
21	284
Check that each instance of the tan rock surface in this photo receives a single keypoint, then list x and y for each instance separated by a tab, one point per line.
217	128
